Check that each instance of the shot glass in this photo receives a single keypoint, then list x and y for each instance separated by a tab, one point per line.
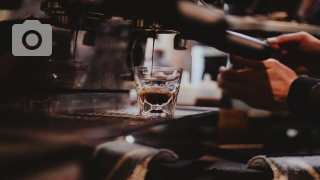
157	90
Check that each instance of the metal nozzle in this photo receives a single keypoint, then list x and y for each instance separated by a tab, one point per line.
90	38
179	42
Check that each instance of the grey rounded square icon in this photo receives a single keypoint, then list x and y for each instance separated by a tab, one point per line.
32	39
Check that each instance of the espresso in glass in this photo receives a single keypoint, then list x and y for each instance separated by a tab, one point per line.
157	96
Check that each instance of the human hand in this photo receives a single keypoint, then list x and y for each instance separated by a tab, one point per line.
262	84
300	51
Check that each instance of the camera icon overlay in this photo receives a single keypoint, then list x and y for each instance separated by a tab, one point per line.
31	39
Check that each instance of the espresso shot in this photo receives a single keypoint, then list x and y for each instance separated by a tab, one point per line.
154	97
157	92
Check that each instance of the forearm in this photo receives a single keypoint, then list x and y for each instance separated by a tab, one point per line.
304	97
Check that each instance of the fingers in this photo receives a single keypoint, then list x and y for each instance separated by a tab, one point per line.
233	94
287	38
258	65
273	43
281	43
250	63
230	88
253	68
229	85
234	75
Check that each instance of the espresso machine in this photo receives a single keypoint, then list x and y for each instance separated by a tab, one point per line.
81	91
96	44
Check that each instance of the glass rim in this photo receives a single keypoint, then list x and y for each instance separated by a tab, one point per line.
158	68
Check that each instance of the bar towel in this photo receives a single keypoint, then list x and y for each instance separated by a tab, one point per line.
122	160
289	167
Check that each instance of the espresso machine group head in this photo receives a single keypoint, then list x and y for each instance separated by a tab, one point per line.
74	16
204	24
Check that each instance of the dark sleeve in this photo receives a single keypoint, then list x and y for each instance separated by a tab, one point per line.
304	97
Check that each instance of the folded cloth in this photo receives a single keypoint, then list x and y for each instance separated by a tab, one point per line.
122	160
290	167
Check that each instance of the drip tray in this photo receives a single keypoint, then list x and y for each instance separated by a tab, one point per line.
132	112
102	124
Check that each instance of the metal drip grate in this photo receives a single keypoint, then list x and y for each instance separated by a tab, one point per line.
133	113
102	123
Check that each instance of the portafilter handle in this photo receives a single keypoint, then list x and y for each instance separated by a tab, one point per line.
246	46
